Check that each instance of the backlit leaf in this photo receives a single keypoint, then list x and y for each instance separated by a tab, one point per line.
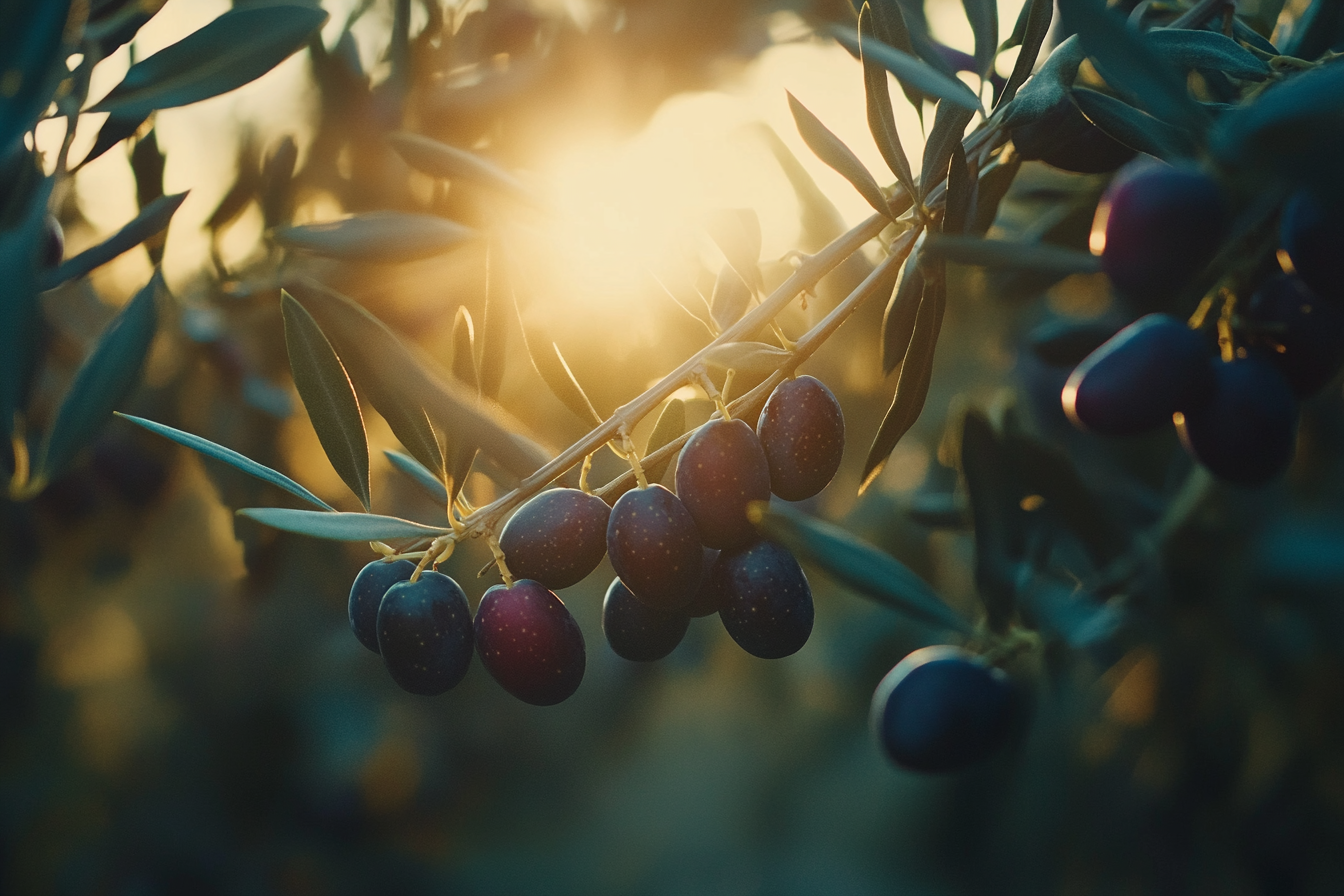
152	220
116	129
910	70
230	457
450	163
339	526
1033	24
328	396
737	233
730	299
752	358
671	424
418	473
494	324
837	155
984	18
949	126
378	236
855	564
898	322
31	64
234	49
881	118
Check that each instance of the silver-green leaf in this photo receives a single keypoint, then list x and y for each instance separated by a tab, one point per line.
378	236
152	219
339	526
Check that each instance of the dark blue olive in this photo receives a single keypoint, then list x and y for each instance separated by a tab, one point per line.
1142	375
556	538
1313	236
721	469
766	603
942	709
425	634
1246	434
1302	333
636	631
1163	225
707	599
367	593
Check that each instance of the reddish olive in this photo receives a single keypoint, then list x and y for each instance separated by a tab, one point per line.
556	538
529	642
654	547
721	469
802	431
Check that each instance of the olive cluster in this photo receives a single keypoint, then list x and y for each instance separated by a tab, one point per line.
1230	380
677	556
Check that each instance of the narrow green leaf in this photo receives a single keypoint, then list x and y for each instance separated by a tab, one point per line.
998	517
408	393
838	156
670	425
230	457
152	220
1248	35
31	64
1043	91
421	475
912	384
464	347
1207	51
898	321
855	564
494	323
328	396
339	526
1130	64
20	314
752	358
908	69
984	18
881	118
890	28
1034	24
1010	254
994	183
102	382
730	299
961	180
116	129
234	49
949	126
1135	129
820	219
737	233
378	236
450	163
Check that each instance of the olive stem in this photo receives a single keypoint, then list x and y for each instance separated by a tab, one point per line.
714	394
500	562
633	456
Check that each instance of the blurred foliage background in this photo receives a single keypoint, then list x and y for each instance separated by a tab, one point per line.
184	709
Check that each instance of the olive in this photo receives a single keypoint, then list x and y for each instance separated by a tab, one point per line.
721	469
529	642
802	432
425	634
766	603
636	631
654	547
556	538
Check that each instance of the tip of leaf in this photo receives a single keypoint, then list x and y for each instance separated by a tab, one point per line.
870	475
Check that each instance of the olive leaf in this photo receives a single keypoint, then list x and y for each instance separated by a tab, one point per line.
1033	24
855	564
378	236
961	181
328	396
910	70
1135	129
737	233
1207	51
427	480
153	219
339	526
232	50
1130	64
820	220
229	456
464	368
993	185
898	321
751	358
413	399
889	27
31	35
881	118
1044	90
116	129
831	150
1013	255
492	355
949	126
450	163
912	384
730	298
671	423
102	382
20	314
984	18
551	366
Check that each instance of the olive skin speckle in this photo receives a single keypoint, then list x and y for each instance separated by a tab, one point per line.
766	603
425	634
655	548
529	642
366	595
722	468
557	538
802	431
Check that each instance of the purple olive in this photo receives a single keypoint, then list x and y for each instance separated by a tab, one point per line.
529	642
636	631
366	595
1313	236
1247	433
766	601
1302	333
942	709
556	538
1142	375
425	634
721	469
1163	225
654	547
802	432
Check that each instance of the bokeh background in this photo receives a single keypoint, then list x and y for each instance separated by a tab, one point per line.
184	709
